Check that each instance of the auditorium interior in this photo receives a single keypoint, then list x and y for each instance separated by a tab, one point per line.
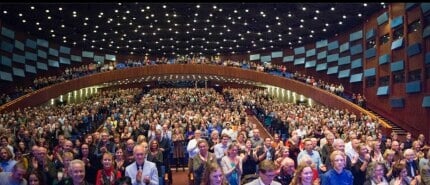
369	60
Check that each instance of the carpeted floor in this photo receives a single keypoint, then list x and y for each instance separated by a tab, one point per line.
180	177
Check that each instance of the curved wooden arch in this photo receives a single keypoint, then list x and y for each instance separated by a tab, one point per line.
45	94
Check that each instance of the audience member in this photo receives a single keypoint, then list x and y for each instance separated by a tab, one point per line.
266	174
142	171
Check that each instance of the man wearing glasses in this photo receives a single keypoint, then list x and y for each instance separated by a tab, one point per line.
266	174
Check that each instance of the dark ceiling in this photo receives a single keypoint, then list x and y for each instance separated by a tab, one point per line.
185	28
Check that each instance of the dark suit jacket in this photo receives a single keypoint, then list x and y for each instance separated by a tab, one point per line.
414	165
260	151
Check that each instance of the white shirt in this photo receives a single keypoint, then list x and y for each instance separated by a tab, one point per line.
192	148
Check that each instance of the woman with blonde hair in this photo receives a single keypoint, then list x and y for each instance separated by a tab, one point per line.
232	165
213	174
304	175
375	174
281	154
389	162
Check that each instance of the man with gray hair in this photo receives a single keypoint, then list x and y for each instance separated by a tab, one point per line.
411	163
286	171
339	145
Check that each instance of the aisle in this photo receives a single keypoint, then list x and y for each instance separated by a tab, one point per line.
180	177
263	131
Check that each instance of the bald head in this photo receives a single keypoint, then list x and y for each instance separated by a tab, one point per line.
287	165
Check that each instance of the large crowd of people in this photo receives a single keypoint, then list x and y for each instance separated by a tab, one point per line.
88	69
141	137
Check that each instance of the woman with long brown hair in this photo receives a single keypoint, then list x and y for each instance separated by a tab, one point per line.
178	147
155	155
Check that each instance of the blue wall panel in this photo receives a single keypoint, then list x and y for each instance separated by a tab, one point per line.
370	53
356	78
288	58
357	63
356	49
383	18
299	50
384	59
333	45
414	49
321	43
322	55
344	47
397	102
310	52
344	60
413	87
397	44
397	66
382	91
356	35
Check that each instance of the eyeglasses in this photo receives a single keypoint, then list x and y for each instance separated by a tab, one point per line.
269	174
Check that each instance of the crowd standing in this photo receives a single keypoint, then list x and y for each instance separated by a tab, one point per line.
209	130
138	137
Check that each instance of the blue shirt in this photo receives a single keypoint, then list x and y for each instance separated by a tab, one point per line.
7	166
331	177
315	156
